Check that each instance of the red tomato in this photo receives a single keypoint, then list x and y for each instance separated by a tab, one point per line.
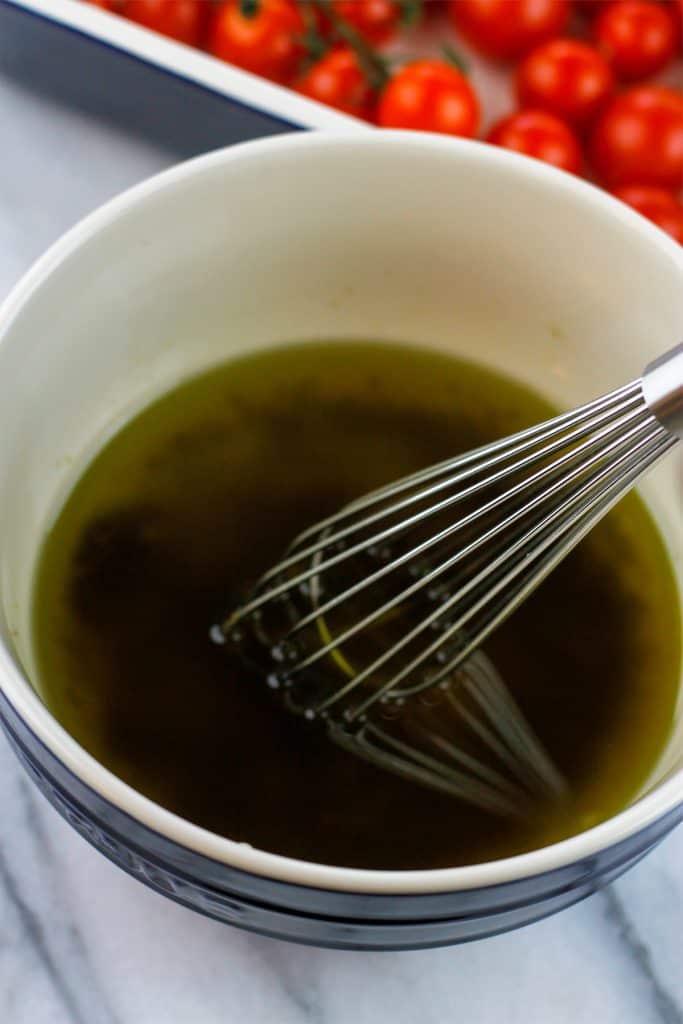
106	5
376	20
638	138
337	79
539	134
637	37
565	77
184	20
658	205
430	96
316	18
263	36
591	7
508	28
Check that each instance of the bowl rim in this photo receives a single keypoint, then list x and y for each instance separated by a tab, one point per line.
35	714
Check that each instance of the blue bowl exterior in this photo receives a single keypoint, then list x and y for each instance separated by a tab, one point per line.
310	915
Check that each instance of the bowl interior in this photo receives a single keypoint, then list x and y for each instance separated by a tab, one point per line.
446	244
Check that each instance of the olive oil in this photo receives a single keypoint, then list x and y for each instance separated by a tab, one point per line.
196	497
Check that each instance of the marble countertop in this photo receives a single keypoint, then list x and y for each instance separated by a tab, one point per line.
82	943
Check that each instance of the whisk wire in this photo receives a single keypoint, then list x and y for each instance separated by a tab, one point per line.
499	707
602	408
466	551
481	512
420	767
595	509
444	583
328	541
509	603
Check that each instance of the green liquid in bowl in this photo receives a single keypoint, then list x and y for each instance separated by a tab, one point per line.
188	504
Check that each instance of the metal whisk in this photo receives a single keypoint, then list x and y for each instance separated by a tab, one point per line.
374	619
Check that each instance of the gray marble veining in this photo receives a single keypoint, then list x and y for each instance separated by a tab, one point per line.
82	943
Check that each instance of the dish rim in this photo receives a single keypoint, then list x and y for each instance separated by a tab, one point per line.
17	689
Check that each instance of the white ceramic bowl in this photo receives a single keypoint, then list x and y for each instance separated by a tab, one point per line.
407	237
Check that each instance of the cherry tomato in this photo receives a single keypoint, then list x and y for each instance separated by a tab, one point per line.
658	205
566	78
184	20
637	37
506	29
106	5
316	18
337	79
376	20
539	134
638	138
262	36
430	96
591	7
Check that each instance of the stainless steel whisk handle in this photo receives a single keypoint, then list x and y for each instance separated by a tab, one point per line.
662	384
